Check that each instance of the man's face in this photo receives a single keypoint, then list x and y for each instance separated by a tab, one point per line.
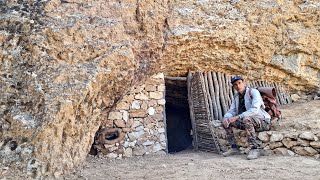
239	85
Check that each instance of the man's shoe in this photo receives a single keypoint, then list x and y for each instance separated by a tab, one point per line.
254	154
231	152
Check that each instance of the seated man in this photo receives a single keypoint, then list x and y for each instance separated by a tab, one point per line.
246	113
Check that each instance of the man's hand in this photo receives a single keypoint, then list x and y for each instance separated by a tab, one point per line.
227	121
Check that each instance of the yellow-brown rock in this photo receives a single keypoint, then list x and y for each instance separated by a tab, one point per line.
65	64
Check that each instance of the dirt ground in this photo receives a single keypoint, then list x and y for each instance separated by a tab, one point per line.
200	165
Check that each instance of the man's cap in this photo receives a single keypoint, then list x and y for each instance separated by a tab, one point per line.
236	78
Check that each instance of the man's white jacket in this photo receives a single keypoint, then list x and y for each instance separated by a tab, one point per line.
254	106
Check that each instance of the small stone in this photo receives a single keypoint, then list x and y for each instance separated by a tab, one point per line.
275	137
287	142
139	128
126	144
115	115
136	124
161	87
112	155
161	130
156	95
311	151
132	144
148	143
135	135
302	142
120	123
299	150
151	111
122	106
125	116
128	98
264	137
291	153
144	106
216	123
128	152
160	124
152	103
292	135
275	145
158	76
113	149
161	102
137	113
295	97
281	151
107	146
138	89
138	151
141	97
135	105
150	87
308	136
162	137
127	129
315	144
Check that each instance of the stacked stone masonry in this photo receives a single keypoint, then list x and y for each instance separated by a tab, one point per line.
140	118
286	142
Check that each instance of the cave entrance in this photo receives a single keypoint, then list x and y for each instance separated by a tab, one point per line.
178	120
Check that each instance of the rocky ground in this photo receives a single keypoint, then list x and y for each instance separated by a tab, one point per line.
200	165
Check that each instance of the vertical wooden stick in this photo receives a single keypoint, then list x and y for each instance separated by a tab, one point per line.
213	96
205	77
216	88
222	99
193	122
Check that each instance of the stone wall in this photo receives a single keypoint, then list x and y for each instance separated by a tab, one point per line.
139	117
281	142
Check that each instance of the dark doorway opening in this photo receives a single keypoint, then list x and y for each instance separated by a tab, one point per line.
177	115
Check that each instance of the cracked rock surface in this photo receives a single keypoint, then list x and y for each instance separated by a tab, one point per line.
64	63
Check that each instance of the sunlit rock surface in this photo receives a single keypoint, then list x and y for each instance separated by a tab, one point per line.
63	63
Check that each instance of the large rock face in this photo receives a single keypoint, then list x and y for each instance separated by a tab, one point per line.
64	63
